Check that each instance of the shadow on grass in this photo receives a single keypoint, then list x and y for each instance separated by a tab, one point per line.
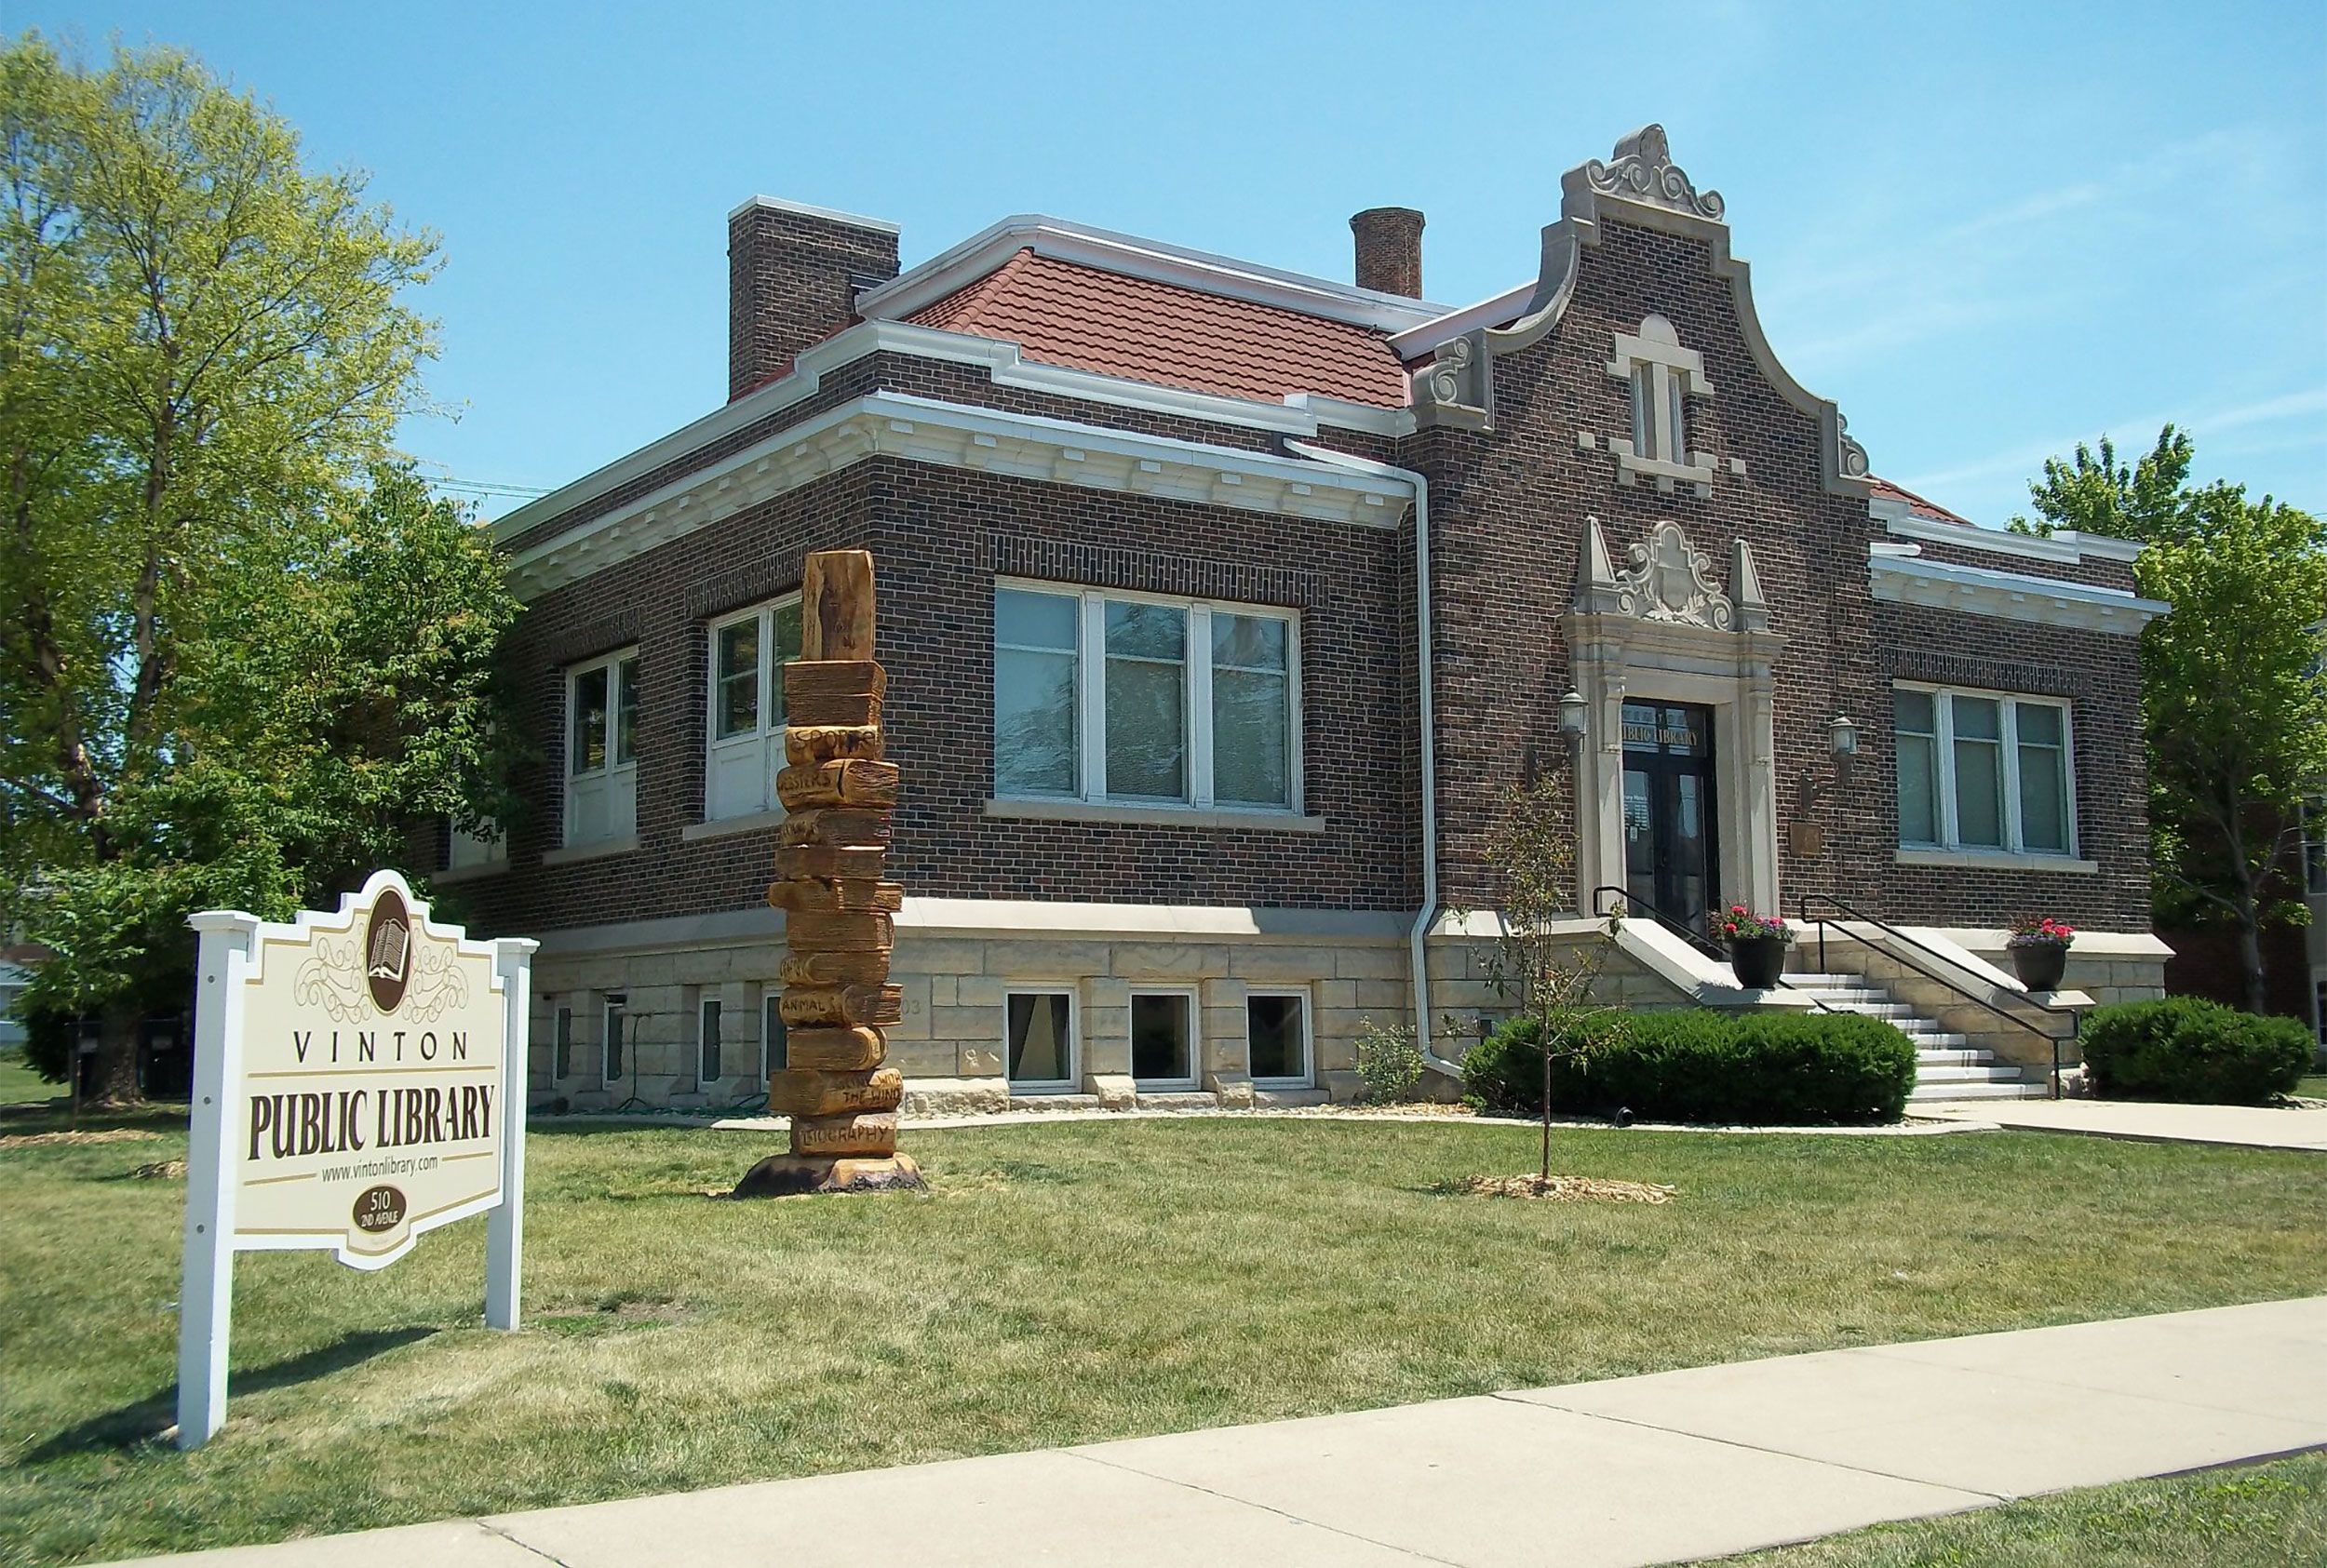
56	1116
133	1425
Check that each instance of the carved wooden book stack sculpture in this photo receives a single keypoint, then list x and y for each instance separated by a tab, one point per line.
839	912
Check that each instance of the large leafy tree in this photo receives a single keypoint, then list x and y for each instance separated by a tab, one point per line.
238	652
2234	703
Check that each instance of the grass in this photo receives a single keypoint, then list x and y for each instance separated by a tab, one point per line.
19	1082
1062	1283
2261	1516
2313	1087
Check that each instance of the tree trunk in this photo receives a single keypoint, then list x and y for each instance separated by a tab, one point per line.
2250	958
117	1057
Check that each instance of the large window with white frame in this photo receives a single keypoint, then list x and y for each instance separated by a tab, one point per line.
1984	771
745	728
1139	699
602	749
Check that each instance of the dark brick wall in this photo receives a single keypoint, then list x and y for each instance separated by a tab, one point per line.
1508	508
789	283
2100	675
939	537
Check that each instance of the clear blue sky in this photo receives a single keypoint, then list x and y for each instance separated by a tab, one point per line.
1988	230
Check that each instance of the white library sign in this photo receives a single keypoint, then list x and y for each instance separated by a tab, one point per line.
360	1079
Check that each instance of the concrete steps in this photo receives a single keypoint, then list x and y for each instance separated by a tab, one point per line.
1946	1067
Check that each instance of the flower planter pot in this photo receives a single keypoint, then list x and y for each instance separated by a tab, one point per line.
2039	964
1758	960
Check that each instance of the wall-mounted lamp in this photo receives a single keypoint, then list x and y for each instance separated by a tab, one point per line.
1842	744
1842	739
1575	716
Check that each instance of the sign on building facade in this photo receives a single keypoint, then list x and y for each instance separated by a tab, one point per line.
360	1081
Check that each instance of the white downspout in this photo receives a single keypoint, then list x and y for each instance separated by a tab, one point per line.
1417	955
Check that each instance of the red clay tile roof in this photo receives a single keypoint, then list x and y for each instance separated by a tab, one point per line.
1886	490
1065	314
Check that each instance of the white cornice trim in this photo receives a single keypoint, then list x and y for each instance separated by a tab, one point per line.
1496	310
984	251
832	214
1300	415
2010	596
960	435
2069	546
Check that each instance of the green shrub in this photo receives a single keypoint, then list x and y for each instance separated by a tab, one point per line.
2193	1051
1389	1062
1771	1069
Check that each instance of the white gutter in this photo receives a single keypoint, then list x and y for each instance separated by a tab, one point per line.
1417	955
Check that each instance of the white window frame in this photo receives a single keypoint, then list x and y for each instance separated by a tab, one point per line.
465	851
618	781
609	1003
705	1033
1307	1076
1195	1039
1659	376
1073	1080
764	743
1196	698
1943	723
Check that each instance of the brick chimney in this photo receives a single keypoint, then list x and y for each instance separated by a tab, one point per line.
1389	250
792	276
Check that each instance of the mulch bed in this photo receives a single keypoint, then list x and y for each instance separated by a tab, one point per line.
1566	1189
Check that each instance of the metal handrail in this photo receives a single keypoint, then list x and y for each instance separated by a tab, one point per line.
2074	1015
1703	942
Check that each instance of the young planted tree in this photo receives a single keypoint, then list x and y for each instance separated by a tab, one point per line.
1540	957
233	648
2234	704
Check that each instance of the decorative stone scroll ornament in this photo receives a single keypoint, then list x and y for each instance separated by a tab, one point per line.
1643	170
839	914
1670	580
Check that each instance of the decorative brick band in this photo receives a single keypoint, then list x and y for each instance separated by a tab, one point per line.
1096	566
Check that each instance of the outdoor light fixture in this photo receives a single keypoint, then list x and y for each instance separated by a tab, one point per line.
1575	715
1842	744
1842	738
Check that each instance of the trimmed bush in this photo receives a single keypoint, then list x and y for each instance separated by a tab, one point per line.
1772	1069
2197	1052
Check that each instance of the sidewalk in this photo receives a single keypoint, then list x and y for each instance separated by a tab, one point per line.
2148	1121
1662	1468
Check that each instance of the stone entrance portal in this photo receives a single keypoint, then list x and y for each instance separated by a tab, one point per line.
1677	787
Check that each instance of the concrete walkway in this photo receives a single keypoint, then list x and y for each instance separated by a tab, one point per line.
2146	1122
1662	1468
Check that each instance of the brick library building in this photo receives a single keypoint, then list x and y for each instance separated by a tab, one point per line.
1223	608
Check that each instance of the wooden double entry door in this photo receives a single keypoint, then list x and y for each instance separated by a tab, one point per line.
1671	834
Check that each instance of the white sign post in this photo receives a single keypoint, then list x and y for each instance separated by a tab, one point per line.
360	1079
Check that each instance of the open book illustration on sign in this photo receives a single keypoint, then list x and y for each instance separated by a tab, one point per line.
390	941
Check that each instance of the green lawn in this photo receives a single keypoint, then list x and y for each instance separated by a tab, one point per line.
2263	1516
2313	1088
19	1082
1062	1283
